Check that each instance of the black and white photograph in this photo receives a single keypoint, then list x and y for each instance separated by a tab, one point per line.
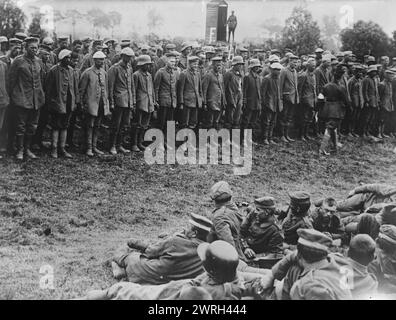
197	150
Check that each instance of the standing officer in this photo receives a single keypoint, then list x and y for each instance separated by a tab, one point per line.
232	24
165	91
289	96
61	92
27	96
271	102
307	94
213	94
233	93
145	101
190	94
94	97
122	99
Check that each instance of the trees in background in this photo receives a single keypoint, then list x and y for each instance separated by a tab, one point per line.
12	18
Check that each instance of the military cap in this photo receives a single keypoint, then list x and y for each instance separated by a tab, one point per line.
45	48
220	190
128	52
20	35
242	49
329	204
171	54
265	202
35	35
208	49
311	56
200	222
334	62
388	233
299	198
372	69
370	59
216	58
145	47
110	40
31	39
237	60
15	41
77	41
99	55
274	58
359	67
63	38
258	50
311	60
125	43
144	59
170	46
293	57
97	42
185	45
254	63
288	50
3	39
273	51
192	58
314	239
276	66
48	41
64	53
319	50
87	39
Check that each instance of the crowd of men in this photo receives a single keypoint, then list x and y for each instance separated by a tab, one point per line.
57	88
324	249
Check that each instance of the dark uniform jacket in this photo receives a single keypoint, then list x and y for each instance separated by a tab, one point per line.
165	83
227	226
61	83
261	237
251	92
144	91
270	93
336	101
233	88
322	78
190	89
356	93
289	86
307	89
213	91
290	225
370	92
121	85
4	98
174	258
385	92
26	89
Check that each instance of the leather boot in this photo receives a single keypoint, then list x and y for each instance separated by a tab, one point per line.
266	136
141	139
287	134
325	142
19	143
95	142
28	144
134	138
113	139
63	137
119	140
54	141
284	139
89	152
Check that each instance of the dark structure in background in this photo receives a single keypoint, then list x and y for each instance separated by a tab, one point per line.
216	21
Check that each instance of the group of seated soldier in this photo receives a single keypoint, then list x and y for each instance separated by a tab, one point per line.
344	250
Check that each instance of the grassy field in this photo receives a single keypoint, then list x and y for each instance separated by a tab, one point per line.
72	214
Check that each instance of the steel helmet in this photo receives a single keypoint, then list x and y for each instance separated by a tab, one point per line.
237	60
220	260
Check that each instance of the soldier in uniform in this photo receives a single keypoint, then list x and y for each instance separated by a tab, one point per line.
355	90
88	60
112	44
259	230
117	56
63	43
213	94
173	258
61	92
145	101
190	94
27	96
122	99
185	52
296	216
308	97
233	93
386	106
232	24
4	100
165	82
3	45
371	100
271	103
95	103
267	69
326	219
289	96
